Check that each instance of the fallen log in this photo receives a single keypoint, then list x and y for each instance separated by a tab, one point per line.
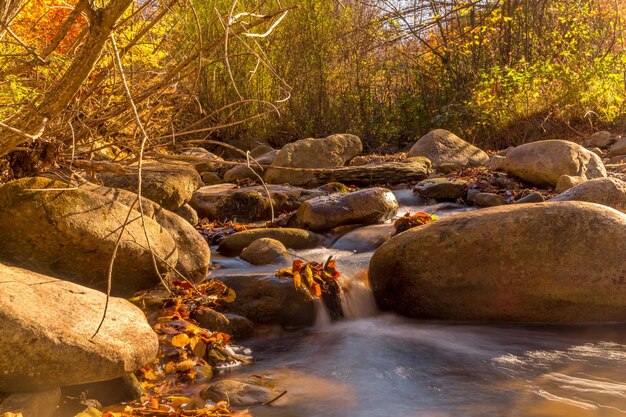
382	173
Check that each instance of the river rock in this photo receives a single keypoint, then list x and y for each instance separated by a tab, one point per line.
265	251
488	200
188	213
365	239
46	328
442	189
210	178
329	152
210	163
610	192
292	238
72	234
602	139
542	163
619	148
241	172
229	323
41	403
539	269
270	300
566	182
368	206
619	159
246	204
168	184
238	393
445	149
194	254
534	197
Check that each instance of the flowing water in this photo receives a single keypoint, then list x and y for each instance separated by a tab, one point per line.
377	365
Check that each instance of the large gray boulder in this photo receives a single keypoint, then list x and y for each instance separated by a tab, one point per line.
543	163
333	151
72	234
168	184
447	151
194	254
610	192
368	206
516	263
46	329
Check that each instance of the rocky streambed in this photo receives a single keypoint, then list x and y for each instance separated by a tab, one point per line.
464	292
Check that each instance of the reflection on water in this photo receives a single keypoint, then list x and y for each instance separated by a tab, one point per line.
390	366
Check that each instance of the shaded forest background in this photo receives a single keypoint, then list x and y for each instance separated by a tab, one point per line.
497	73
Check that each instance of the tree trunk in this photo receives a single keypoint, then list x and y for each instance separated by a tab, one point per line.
32	124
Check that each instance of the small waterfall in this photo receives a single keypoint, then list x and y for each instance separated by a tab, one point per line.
357	300
322	318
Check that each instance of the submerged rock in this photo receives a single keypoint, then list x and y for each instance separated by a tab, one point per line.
46	328
271	300
446	150
539	269
41	403
246	393
368	206
329	152
610	192
72	234
543	163
169	185
292	238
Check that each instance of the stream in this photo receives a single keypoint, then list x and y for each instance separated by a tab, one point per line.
374	365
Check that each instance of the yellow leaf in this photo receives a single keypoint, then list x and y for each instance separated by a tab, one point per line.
230	296
180	340
308	274
297	280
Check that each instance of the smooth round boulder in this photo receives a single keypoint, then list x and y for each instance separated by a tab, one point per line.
610	192
265	251
188	213
332	151
46	329
71	234
445	149
293	238
515	263
170	185
194	254
368	206
543	163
